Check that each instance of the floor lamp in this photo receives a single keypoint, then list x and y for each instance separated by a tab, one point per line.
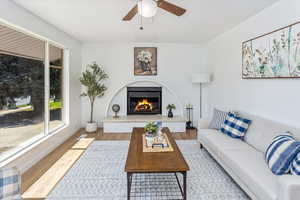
201	78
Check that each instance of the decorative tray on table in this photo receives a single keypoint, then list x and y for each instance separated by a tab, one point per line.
157	144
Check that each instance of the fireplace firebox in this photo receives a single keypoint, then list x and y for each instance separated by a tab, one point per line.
144	100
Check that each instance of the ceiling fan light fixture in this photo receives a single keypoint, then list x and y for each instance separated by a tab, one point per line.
147	8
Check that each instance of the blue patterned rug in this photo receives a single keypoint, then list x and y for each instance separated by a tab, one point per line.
99	174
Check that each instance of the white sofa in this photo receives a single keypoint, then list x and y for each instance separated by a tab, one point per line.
244	160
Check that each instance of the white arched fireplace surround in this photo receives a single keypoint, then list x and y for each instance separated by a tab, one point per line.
126	123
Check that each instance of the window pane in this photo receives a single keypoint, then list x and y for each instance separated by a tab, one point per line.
21	89
56	87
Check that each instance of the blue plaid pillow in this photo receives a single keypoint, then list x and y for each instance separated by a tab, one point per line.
235	126
10	183
281	153
295	168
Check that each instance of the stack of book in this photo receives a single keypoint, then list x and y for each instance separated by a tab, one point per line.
157	144
158	141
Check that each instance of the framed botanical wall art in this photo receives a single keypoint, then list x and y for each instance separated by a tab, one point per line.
145	61
273	55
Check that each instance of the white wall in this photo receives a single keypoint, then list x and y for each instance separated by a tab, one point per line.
176	64
275	99
20	17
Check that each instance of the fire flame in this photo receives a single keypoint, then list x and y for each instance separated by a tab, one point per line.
143	105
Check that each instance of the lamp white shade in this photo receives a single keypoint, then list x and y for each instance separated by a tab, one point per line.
201	78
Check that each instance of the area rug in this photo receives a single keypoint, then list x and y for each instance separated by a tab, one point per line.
99	174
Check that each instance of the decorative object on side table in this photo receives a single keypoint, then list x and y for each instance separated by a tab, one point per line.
116	109
170	107
201	78
145	61
189	112
273	55
93	79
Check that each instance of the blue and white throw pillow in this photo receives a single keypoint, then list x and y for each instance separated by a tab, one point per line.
281	153
10	184
295	167
235	126
218	119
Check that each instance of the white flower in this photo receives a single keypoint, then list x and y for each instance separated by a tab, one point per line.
144	56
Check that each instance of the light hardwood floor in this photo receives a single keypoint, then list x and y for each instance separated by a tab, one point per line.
39	169
52	176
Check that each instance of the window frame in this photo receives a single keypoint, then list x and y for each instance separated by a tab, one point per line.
65	75
25	146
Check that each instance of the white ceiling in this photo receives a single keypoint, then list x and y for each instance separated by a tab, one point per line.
100	20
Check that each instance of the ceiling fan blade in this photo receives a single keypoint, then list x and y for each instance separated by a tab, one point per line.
176	10
131	13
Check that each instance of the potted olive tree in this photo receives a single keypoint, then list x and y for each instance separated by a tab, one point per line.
93	79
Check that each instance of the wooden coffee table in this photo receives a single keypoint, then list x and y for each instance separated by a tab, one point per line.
162	162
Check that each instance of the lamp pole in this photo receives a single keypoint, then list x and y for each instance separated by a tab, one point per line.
200	100
201	78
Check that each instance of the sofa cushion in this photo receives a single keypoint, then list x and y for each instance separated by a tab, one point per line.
235	126
295	168
219	142
262	131
218	119
249	165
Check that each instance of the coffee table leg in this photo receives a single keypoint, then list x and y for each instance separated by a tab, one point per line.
182	188
129	180
184	185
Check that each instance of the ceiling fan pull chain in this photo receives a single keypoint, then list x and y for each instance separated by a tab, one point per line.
141	27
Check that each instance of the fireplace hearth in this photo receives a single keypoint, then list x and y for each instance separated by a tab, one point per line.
144	100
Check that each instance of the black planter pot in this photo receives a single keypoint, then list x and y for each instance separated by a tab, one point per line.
170	113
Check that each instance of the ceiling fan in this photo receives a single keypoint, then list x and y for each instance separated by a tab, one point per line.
148	8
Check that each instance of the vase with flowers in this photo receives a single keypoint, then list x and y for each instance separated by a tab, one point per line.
145	58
